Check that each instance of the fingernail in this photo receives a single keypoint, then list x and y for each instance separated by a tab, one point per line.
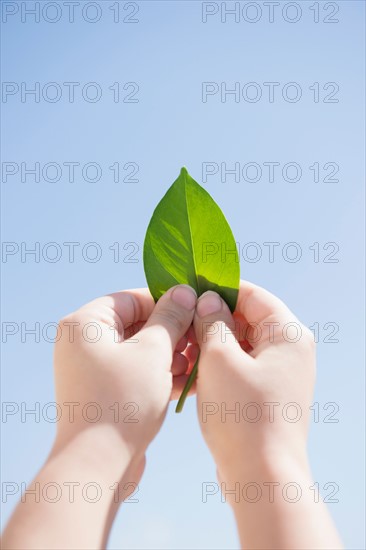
209	303
184	296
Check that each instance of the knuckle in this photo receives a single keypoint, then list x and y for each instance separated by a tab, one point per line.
308	336
66	321
172	318
216	352
307	341
71	327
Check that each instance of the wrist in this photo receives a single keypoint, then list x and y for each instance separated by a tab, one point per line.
269	464
75	496
267	480
98	450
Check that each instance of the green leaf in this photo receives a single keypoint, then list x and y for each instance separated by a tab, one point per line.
189	241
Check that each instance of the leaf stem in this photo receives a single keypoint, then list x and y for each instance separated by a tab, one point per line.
187	387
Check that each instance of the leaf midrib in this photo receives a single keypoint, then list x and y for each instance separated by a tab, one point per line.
190	233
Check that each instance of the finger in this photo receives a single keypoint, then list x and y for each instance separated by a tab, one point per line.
191	352
131	330
214	324
180	364
132	306
110	316
182	344
241	325
179	383
263	315
245	346
191	335
120	310
169	321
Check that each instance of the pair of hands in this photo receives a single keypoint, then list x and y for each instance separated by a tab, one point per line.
130	357
118	362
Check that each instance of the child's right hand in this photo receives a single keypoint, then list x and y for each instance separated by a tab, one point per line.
253	405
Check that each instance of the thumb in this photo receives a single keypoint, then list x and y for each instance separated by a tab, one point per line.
171	318
214	324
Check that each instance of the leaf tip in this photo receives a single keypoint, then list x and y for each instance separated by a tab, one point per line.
183	171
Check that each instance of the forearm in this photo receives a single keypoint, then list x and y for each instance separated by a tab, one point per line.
75	495
277	509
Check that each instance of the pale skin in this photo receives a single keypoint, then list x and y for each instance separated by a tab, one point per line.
141	358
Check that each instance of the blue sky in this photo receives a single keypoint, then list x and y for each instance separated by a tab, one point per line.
162	61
